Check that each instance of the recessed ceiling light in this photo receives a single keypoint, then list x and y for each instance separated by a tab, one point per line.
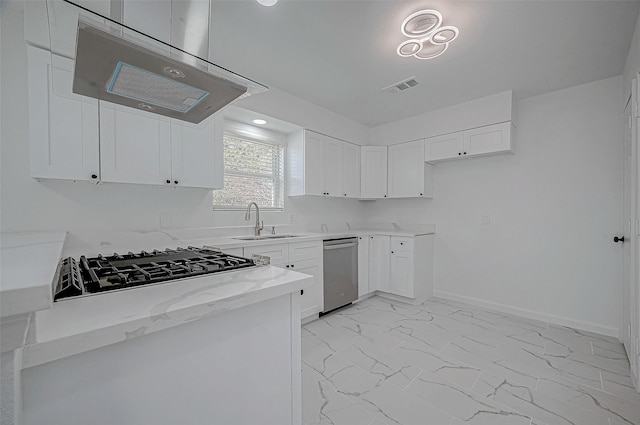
267	2
427	39
259	121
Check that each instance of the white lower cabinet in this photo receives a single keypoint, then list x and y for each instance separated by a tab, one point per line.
397	265
379	263
304	257
363	265
311	301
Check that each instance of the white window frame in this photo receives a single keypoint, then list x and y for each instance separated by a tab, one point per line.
246	131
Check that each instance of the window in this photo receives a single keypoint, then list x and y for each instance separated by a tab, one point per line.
253	171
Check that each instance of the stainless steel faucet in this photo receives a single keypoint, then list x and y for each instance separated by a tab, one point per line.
247	216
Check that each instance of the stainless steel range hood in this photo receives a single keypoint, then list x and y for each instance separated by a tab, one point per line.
119	64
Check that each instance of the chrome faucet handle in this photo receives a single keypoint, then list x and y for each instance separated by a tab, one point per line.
273	230
261	225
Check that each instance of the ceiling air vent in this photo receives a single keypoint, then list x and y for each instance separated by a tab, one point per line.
401	85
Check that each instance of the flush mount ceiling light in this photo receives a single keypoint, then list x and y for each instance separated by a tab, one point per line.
428	39
259	121
267	2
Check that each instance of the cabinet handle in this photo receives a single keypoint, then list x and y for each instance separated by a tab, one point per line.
385	196
287	266
292	266
401	243
175	182
345	194
465	153
302	292
392	252
94	176
421	194
370	237
459	153
168	181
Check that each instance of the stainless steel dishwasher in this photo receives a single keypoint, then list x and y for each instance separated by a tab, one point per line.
340	273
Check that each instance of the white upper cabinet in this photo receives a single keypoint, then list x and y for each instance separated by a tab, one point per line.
443	147
135	146
139	147
63	127
197	153
350	170
332	164
374	172
315	165
487	140
408	175
313	176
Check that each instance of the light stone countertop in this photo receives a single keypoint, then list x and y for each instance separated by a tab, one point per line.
73	326
78	325
28	262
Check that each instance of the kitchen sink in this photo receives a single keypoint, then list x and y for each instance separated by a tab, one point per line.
260	238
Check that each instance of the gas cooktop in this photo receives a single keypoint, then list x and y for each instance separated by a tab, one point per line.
94	275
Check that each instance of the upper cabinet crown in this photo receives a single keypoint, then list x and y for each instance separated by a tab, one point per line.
323	166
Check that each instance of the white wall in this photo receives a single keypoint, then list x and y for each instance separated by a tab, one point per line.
475	113
27	205
553	207
632	64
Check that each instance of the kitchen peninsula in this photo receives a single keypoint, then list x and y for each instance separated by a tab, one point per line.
179	352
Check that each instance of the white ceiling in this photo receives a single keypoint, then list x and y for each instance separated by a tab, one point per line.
340	54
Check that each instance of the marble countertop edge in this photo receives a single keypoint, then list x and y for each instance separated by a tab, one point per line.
38	352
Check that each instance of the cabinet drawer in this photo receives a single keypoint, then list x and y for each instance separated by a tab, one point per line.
401	243
299	251
278	253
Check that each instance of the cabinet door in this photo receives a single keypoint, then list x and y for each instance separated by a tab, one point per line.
63	127
406	170
313	164
490	139
311	301
374	172
363	265
332	161
134	146
379	263
401	273
197	153
350	170
443	147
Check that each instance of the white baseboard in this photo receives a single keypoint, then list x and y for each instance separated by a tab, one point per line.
530	314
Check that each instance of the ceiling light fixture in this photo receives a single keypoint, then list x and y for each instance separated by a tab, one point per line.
259	121
427	39
267	2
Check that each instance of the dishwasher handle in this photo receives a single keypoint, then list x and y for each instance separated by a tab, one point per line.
346	245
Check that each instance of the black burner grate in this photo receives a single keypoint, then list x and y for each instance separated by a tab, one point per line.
134	269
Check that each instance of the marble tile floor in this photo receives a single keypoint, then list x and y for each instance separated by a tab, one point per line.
380	362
